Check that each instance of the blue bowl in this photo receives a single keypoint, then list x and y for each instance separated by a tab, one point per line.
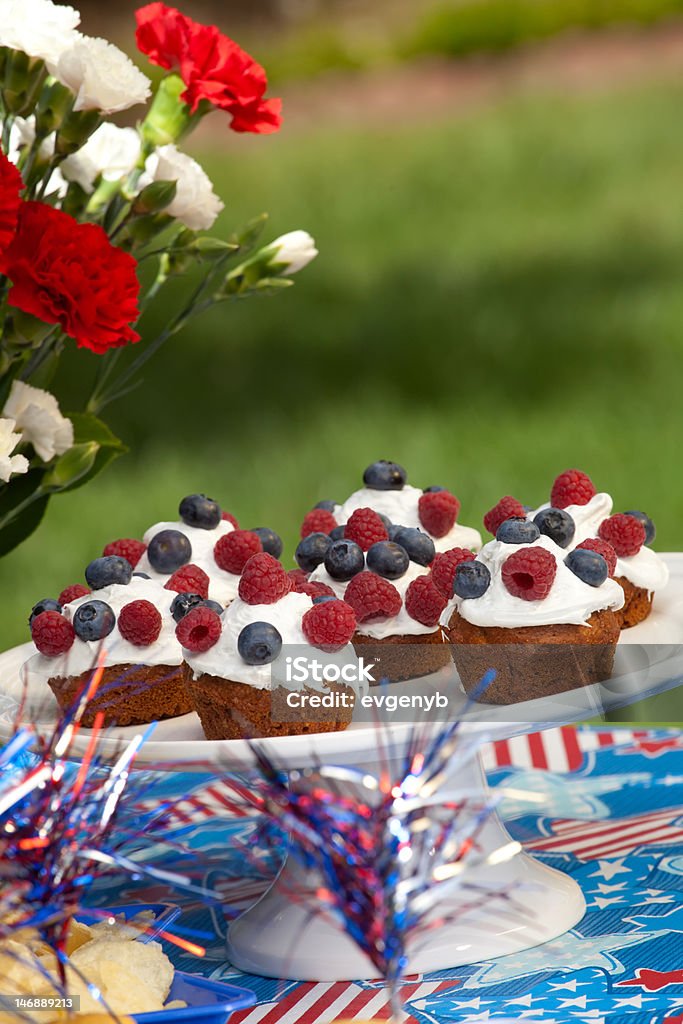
208	1002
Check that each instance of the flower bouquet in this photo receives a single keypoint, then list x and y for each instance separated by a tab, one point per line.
96	220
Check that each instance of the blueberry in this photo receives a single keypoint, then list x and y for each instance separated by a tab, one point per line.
270	540
337	533
168	550
517	531
108	569
556	524
650	531
182	603
48	604
259	643
472	579
213	605
386	520
385	476
200	511
322	598
388	559
344	559
311	551
433	489
327	505
419	545
142	575
588	565
93	620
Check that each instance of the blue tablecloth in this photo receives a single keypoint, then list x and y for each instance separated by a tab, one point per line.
612	818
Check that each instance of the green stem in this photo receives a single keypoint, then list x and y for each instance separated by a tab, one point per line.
6	129
21	507
41	354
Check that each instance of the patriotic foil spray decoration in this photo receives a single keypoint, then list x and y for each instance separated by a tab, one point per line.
389	849
62	826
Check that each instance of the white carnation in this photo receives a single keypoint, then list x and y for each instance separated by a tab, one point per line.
195	203
36	414
38	27
110	151
295	249
8	442
102	76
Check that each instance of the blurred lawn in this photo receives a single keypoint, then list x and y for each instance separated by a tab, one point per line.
497	298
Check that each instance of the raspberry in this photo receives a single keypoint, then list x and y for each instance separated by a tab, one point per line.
424	601
52	633
139	623
315	589
319	520
603	548
233	551
296	578
199	629
329	626
625	533
365	528
507	508
571	488
72	593
438	511
189	579
131	550
263	580
443	569
372	597
230	519
529	573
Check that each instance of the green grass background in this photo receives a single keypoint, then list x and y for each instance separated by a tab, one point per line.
498	296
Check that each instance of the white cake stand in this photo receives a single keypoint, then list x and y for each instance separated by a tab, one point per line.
521	902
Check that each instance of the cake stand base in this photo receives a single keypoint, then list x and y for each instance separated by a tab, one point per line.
516	905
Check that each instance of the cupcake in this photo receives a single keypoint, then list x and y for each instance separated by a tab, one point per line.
544	618
389	586
204	552
239	662
639	570
127	621
386	491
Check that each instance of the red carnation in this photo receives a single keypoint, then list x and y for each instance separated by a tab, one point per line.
10	187
70	274
212	66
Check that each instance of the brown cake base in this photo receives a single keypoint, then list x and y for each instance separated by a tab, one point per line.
234	711
533	661
128	694
403	657
637	605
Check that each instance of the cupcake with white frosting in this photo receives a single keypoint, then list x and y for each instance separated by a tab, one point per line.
125	624
240	674
204	551
390	588
386	491
639	570
544	617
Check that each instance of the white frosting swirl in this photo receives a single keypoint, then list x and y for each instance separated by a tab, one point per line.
645	569
570	601
83	654
222	584
401	507
398	625
224	660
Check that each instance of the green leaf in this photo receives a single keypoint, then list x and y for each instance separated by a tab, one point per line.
90	428
71	466
102	460
19	491
247	237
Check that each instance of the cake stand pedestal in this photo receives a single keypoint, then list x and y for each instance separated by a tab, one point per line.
520	903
